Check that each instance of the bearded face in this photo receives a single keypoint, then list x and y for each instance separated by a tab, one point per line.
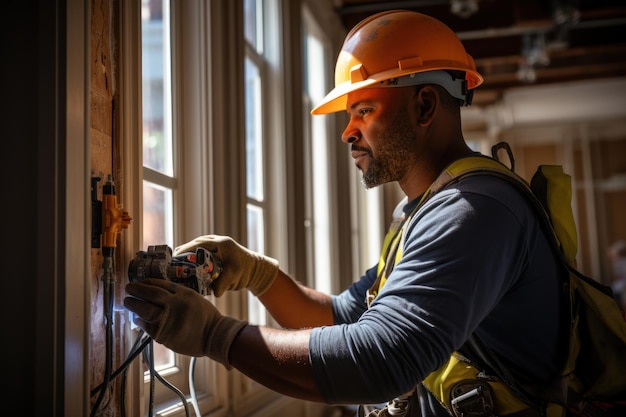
392	153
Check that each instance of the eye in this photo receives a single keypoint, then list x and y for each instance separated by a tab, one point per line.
364	111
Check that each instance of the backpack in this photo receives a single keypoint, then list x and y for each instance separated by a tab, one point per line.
593	377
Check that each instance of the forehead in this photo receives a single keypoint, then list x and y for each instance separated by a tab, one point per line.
377	96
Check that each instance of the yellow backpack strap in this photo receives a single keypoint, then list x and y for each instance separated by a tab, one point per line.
391	252
392	244
557	217
553	187
390	255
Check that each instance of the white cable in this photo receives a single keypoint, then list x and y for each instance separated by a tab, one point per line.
192	388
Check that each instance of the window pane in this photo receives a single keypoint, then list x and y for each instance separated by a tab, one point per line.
253	27
256	233
157	215
157	139
157	229
254	132
255	228
253	23
315	84
163	360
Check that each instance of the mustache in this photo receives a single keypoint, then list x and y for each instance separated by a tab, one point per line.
362	149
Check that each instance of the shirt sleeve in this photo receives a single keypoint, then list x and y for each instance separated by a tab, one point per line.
349	305
462	254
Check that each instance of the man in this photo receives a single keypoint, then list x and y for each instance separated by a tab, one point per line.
471	260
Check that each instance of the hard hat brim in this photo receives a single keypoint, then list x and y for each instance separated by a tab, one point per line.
336	100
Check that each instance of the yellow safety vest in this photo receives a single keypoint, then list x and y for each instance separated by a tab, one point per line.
458	380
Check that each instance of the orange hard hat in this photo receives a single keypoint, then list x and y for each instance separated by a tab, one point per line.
396	45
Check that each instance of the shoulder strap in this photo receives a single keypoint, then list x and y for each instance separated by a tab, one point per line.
483	165
463	167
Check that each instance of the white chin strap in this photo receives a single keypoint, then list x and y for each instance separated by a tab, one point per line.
457	87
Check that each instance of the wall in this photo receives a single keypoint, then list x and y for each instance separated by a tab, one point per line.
594	155
581	126
104	159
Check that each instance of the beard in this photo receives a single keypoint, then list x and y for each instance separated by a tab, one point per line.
395	153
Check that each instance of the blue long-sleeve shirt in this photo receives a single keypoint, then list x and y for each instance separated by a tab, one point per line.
475	259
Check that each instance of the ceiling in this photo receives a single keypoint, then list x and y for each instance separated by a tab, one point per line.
523	42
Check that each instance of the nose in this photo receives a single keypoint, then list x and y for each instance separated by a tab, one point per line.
351	134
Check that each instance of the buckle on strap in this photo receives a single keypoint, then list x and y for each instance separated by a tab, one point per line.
398	407
369	297
472	398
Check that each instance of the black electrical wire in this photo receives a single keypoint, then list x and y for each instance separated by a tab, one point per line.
109	287
123	394
135	351
149	358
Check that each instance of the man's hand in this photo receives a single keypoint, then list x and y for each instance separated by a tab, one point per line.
181	319
243	268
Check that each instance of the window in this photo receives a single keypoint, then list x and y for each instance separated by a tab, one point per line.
213	70
158	162
167	197
319	159
159	179
255	167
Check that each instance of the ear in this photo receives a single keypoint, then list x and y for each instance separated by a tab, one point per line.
426	104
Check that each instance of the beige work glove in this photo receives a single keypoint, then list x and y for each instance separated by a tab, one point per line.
242	268
181	319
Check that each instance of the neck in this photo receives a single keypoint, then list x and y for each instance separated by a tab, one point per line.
429	166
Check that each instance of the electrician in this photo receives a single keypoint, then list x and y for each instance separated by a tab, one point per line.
473	260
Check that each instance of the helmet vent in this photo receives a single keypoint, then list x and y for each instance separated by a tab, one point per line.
410	63
358	73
